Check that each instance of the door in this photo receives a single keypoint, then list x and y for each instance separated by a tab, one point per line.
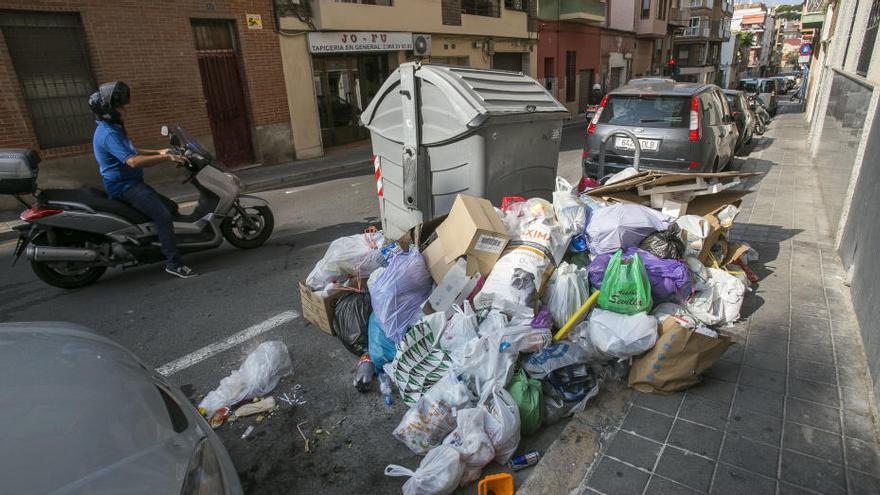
220	69
586	86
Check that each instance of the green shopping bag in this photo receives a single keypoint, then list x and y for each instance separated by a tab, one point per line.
625	286
529	398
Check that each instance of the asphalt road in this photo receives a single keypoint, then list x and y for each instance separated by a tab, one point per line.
161	319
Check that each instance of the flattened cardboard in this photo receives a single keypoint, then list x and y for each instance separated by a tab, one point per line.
473	228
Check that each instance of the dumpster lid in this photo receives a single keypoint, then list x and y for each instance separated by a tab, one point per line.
454	100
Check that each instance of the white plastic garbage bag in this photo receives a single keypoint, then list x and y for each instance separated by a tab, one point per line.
432	417
472	442
503	425
438	474
570	212
682	316
257	376
354	255
694	230
460	329
489	360
621	176
618	335
566	292
494	321
720	299
623	225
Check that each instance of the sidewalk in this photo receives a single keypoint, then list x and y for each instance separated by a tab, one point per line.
340	163
787	410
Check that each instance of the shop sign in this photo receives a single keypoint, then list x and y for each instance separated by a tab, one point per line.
358	41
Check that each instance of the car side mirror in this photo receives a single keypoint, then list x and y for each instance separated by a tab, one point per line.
164	130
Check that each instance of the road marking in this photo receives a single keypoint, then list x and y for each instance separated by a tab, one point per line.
233	340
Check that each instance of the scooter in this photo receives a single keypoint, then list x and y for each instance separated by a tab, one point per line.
71	236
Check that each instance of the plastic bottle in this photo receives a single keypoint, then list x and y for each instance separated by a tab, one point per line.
385	388
363	375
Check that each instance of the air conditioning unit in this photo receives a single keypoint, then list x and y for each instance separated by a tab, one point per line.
421	45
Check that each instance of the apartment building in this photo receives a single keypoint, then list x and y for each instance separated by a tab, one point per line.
569	49
335	54
757	20
697	45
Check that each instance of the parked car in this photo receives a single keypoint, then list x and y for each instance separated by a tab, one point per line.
742	115
765	89
84	415
781	84
681	127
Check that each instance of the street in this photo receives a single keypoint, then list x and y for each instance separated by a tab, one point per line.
164	321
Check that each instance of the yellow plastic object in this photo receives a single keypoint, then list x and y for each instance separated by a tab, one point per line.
496	484
576	317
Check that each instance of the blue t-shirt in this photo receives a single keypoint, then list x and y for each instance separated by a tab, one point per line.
112	149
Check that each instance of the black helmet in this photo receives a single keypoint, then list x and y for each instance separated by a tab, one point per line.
107	99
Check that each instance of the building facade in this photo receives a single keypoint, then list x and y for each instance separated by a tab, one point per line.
335	55
698	44
757	20
202	65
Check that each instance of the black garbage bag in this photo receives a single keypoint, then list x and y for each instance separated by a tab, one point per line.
350	321
665	243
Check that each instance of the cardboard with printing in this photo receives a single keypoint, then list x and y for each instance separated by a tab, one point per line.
472	229
319	310
678	359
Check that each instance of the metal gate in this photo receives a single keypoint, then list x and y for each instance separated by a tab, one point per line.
224	94
586	88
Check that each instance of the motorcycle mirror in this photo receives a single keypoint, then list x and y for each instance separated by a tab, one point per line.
164	130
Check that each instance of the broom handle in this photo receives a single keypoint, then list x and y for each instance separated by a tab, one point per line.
576	317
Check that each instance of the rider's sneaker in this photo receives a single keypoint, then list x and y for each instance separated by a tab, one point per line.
182	271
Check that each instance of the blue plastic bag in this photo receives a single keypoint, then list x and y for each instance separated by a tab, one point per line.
382	350
398	293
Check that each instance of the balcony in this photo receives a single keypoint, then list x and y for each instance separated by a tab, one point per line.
695	32
677	17
583	11
697	5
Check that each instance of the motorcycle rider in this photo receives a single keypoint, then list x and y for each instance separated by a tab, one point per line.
122	165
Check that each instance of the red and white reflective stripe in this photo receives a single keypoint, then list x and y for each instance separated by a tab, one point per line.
378	175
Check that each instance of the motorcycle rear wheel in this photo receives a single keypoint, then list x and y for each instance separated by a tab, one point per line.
65	275
237	233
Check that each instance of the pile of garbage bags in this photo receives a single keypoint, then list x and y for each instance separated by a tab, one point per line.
493	322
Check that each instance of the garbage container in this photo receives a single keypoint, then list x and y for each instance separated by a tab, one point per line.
438	131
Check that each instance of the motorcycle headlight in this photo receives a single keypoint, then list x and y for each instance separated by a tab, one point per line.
203	476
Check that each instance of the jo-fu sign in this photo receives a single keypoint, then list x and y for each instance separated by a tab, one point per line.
358	41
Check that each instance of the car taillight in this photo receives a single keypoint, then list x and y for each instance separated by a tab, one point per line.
694	165
37	213
695	133
591	128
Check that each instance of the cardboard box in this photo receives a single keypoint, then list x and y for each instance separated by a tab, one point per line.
317	310
475	230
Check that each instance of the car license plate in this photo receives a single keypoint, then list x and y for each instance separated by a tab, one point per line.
624	143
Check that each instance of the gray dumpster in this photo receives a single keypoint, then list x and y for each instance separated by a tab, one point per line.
439	130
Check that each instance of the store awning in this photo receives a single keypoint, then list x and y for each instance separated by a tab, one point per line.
812	20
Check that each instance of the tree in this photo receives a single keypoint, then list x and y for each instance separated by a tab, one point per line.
791	58
789	12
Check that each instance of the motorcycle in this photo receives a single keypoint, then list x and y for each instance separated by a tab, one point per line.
762	117
71	236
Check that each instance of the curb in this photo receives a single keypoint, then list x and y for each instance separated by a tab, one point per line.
302	178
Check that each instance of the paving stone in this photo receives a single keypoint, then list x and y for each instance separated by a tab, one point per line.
647	423
731	480
862	484
688	469
815	474
748	454
662	486
727	371
812	414
664	403
734	353
813	391
705	412
755	425
713	389
756	399
817	443
803	326
811	352
768	342
789	489
634	450
860	426
612	476
856	400
765	361
853	378
767	380
813	371
864	456
817	309
696	438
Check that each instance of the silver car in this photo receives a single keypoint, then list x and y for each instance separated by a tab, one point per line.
82	415
681	127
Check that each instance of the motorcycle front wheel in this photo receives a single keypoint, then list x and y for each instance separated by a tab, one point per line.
250	232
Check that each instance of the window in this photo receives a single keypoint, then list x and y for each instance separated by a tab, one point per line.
869	39
711	109
662	6
664	112
481	7
683	54
549	74
570	75
646	9
51	60
522	5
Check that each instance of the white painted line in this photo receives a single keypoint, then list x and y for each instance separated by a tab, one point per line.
233	340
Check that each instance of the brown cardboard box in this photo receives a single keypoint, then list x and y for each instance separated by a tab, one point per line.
317	310
474	229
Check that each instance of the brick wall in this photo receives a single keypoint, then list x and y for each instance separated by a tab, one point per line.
150	46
